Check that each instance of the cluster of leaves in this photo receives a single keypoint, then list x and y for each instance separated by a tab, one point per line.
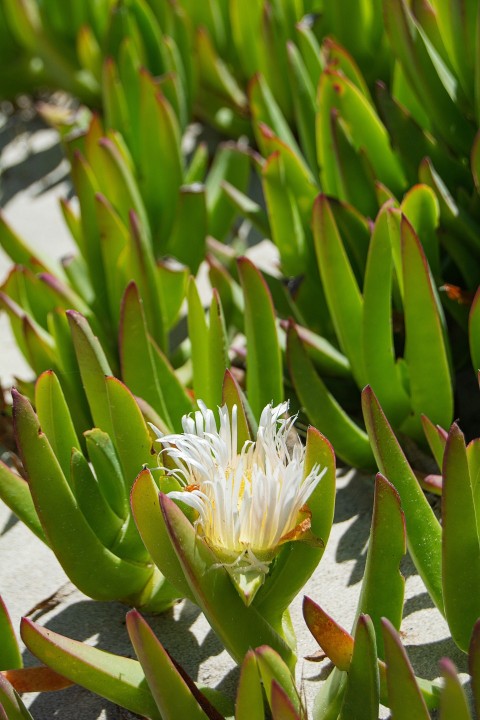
361	119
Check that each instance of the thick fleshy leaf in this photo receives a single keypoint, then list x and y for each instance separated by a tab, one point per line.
151	526
134	448
114	237
282	706
287	230
428	75
217	350
473	458
294	175
139	263
335	642
171	693
423	529
363	687
94	367
461	579
15	493
95	507
328	701
405	699
273	670
215	593
249	702
474	665
383	585
413	143
159	148
104	458
350	442
136	354
68	371
421	207
11	706
436	438
198	333
95	570
87	187
430	383
343	295
10	657
231	164
264	371
17	249
232	396
172	283
265	109
474	331
336	92
187	240
304	102
55	419
116	678
453	702
381	368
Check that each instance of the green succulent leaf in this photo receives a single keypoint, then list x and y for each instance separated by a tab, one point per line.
273	670
459	540
159	147
15	493
137	355
10	657
264	372
94	569
424	533
94	367
404	695
249	702
88	493
453	702
171	693
427	74
11	706
187	240
381	367
116	678
362	695
231	164
383	585
367	133
474	665
436	438
474	332
430	383
55	419
151	526
341	289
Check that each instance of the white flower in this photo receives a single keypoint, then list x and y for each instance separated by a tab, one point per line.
250	501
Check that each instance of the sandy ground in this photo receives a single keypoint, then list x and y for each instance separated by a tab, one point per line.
33	177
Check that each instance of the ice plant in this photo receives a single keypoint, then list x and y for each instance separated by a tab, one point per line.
248	500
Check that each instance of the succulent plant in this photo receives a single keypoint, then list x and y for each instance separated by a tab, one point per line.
156	686
437	549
